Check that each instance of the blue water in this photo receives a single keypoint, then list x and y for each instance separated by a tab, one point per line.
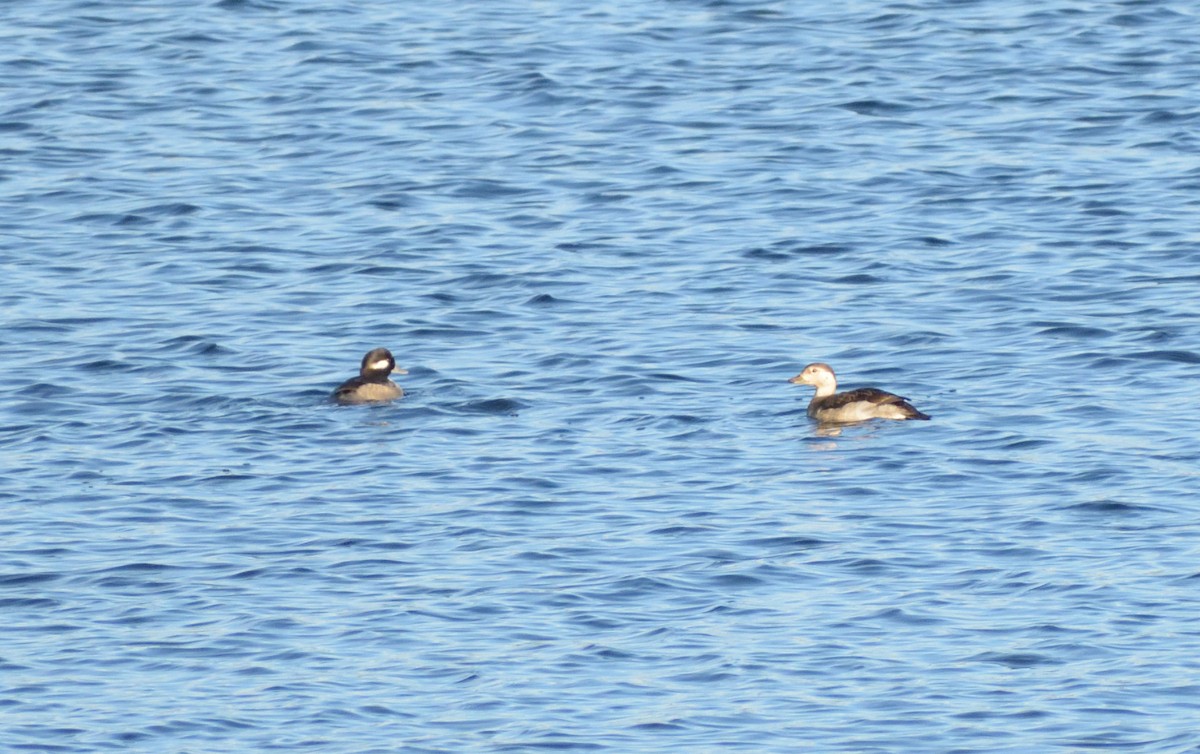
601	237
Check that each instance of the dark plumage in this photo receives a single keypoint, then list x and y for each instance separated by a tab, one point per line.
372	384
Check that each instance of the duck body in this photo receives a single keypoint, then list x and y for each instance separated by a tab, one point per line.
830	406
372	384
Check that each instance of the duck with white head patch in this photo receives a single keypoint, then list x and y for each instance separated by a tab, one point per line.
372	384
829	406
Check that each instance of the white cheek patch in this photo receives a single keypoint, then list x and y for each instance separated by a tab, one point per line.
380	365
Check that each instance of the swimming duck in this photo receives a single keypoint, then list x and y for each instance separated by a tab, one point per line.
372	384
857	405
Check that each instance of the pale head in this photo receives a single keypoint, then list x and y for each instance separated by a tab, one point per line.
819	376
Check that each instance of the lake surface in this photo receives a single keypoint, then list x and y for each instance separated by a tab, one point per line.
601	237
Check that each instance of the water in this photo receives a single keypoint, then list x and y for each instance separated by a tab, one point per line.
601	238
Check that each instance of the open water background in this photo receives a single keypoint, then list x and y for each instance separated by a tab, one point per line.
601	237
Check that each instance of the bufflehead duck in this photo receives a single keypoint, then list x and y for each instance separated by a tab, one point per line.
372	384
857	405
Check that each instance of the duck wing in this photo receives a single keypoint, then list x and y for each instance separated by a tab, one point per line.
876	397
864	394
347	388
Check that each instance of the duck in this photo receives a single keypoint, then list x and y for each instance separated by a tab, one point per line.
829	406
372	384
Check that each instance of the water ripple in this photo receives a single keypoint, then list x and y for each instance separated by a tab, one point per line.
600	238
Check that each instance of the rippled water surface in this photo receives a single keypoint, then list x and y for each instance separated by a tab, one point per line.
600	237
